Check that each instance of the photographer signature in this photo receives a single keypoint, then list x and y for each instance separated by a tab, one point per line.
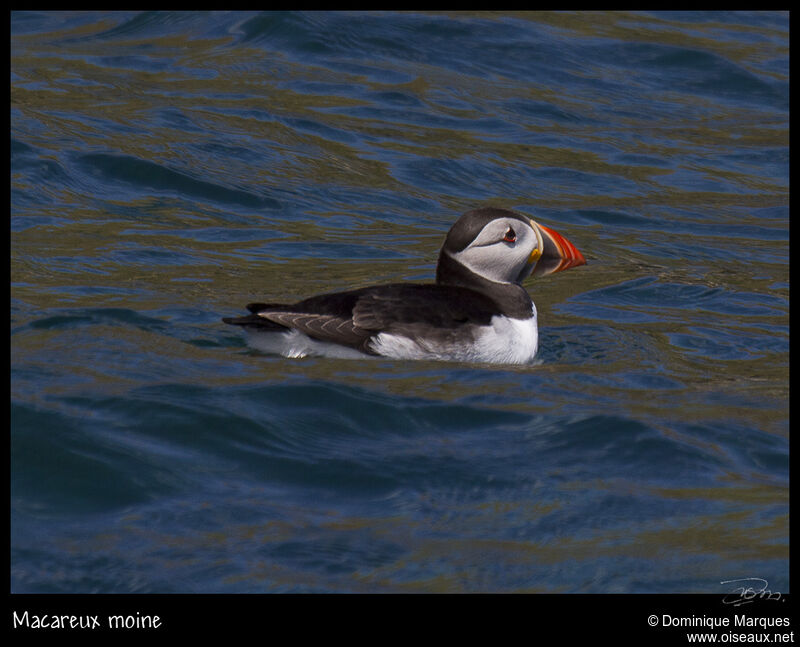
751	588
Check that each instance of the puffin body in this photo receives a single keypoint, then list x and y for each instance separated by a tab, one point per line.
476	311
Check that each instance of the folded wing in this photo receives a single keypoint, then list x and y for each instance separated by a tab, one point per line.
353	318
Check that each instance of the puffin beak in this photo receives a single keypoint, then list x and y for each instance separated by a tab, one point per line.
554	253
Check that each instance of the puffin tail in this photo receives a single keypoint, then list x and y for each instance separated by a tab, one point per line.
253	321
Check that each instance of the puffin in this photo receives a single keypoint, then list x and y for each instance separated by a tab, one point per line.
476	310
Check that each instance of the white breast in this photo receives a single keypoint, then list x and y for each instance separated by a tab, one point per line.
503	341
509	341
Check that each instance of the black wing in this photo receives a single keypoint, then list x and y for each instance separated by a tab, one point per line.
352	318
392	307
327	317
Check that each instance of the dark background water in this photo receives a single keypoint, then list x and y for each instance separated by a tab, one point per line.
167	168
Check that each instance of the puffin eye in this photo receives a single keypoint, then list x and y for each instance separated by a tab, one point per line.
511	236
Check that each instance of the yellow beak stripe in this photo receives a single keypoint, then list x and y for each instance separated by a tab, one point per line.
536	253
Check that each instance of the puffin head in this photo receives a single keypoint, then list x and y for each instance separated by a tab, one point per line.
505	247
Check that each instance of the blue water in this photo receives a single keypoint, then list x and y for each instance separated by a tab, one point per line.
168	168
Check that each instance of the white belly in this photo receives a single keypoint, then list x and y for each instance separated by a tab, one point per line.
503	341
295	344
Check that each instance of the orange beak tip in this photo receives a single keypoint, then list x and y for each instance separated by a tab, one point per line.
570	255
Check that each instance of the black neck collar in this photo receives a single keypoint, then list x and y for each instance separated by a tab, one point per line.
511	299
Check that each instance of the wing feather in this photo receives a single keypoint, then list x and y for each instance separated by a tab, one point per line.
425	305
355	317
321	326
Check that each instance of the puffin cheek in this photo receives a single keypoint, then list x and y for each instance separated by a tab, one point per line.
525	272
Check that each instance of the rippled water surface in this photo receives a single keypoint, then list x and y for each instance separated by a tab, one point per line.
168	168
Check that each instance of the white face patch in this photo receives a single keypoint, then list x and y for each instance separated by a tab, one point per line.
501	251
